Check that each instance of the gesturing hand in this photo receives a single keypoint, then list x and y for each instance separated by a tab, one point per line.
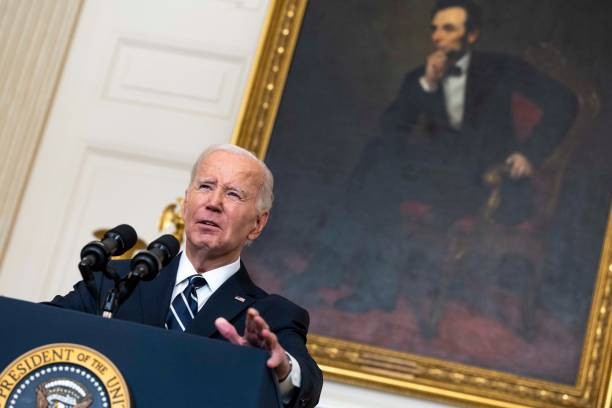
257	334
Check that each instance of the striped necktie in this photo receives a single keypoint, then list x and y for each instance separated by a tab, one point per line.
184	306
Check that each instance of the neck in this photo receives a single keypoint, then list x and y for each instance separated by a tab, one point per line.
202	260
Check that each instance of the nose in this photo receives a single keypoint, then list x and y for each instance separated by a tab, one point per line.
215	200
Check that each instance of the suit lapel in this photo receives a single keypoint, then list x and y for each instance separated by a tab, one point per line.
230	300
156	294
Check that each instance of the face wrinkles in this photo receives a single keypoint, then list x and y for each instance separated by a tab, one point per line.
231	189
220	208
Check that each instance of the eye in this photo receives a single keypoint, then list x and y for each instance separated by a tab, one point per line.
204	186
234	195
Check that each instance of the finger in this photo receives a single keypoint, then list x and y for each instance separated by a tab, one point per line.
254	328
437	60
255	339
228	331
270	339
436	55
277	352
256	323
436	63
250	323
439	54
260	323
277	358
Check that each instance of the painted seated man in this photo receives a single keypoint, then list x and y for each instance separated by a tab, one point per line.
454	118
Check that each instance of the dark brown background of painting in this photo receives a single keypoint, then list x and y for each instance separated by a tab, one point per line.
347	68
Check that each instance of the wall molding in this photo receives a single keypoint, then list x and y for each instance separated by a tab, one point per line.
31	63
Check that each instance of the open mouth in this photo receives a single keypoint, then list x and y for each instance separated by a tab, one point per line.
209	223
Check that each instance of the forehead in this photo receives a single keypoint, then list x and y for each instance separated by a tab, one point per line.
228	167
452	15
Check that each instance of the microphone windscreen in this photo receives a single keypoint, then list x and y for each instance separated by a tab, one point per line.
171	244
126	235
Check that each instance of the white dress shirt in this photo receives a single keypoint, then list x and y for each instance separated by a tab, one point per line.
454	92
214	279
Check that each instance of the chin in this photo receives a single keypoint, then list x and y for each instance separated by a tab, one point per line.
201	243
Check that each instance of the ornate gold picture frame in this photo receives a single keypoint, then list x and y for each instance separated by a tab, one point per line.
443	379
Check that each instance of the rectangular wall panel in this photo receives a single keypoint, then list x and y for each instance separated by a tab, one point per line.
175	77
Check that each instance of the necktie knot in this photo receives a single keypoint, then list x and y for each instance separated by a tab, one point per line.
197	281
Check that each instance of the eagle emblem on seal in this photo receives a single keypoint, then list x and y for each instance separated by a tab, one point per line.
62	393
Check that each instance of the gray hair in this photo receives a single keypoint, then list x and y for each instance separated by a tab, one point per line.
265	196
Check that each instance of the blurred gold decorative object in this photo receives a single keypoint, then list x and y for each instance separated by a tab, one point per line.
140	244
172	216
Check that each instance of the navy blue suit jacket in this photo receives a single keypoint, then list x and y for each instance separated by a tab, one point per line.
149	304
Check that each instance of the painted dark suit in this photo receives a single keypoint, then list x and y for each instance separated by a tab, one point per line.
422	163
149	304
417	135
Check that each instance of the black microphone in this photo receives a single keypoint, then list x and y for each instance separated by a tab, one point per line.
97	254
146	264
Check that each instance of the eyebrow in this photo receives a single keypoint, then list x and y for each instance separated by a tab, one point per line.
225	187
239	190
205	180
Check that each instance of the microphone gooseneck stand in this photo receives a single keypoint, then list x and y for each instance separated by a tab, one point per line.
144	266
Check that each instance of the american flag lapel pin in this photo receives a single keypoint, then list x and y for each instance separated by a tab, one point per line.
239	298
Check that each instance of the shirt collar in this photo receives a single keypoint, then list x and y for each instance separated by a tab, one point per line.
464	62
214	278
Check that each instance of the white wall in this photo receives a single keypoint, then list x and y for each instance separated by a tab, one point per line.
336	395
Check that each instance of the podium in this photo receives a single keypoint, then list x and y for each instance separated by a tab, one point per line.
161	368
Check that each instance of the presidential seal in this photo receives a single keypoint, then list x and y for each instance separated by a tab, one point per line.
63	375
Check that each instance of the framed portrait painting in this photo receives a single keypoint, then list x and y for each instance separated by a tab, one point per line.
443	188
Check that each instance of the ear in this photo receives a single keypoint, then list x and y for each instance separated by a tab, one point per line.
472	37
260	223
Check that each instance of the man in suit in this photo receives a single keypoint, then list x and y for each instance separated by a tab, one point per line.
453	119
227	205
458	111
